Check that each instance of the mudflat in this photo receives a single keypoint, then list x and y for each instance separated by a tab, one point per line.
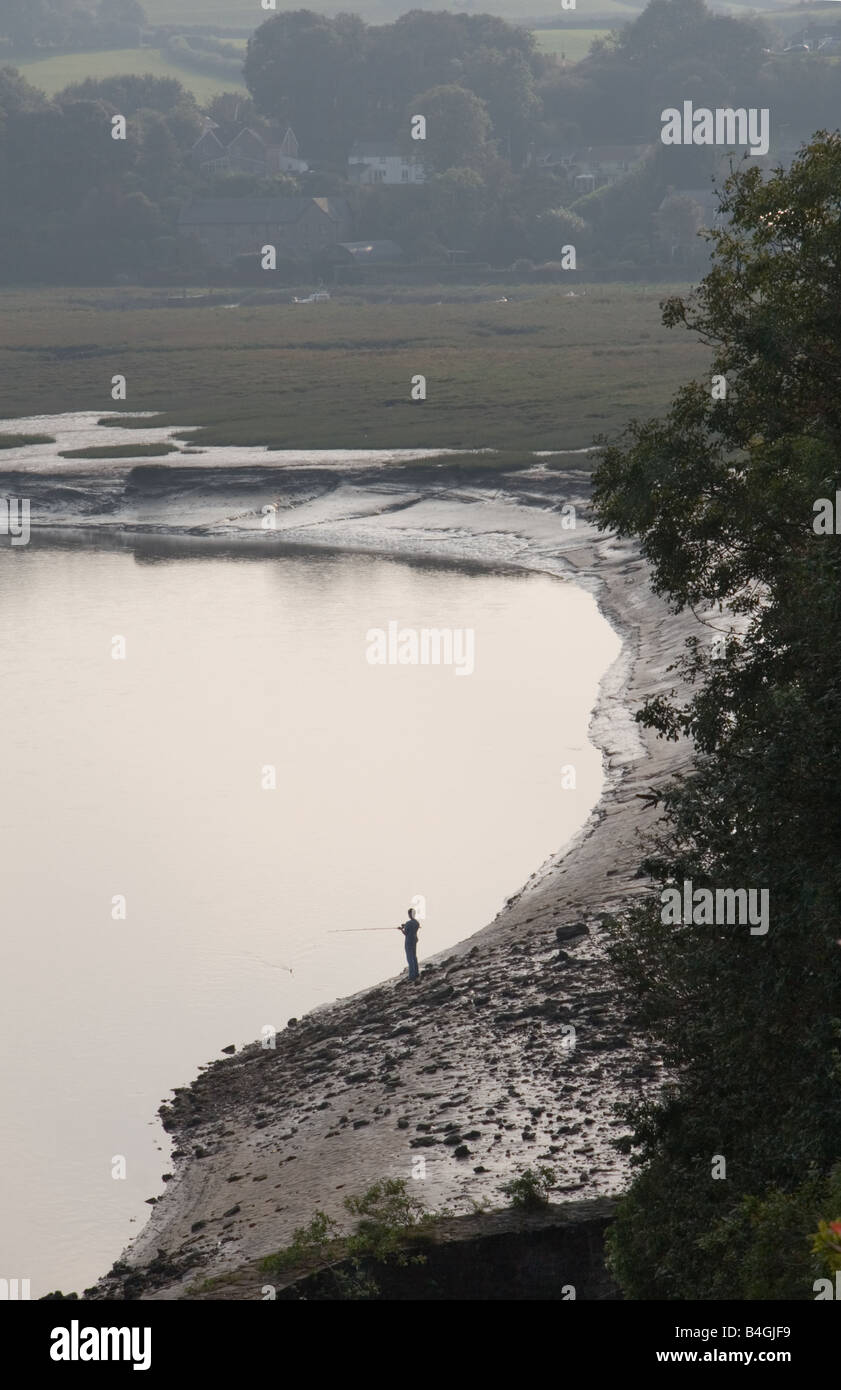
514	1047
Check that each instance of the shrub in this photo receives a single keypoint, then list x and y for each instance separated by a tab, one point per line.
672	1240
531	1189
388	1219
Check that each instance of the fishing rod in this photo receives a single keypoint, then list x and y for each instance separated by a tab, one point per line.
334	931
271	964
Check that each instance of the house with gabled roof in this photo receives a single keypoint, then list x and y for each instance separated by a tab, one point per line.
248	152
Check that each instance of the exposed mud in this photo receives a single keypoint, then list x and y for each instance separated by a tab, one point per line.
514	1049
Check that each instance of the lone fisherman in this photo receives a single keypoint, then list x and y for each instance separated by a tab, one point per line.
410	931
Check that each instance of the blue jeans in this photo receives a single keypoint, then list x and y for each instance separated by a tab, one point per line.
412	958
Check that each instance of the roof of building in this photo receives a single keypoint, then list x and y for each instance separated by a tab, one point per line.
239	212
288	136
372	250
254	135
209	136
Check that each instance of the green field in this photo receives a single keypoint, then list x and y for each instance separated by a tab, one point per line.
574	44
542	371
53	74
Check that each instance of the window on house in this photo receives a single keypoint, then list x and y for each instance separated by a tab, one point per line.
404	175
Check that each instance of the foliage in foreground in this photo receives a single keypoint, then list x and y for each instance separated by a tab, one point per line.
710	1246
390	1228
530	1190
721	494
388	1221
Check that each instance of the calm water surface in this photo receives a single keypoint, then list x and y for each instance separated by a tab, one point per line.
143	779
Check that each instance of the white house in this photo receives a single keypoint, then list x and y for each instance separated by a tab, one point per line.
376	161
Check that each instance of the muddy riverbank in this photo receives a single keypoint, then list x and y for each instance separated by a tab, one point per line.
514	1048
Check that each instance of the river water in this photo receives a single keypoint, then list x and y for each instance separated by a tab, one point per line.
206	785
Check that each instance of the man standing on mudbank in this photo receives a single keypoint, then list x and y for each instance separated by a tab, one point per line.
410	931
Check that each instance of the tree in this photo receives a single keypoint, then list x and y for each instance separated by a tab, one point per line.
335	79
304	70
128	94
721	494
458	202
505	82
16	94
403	214
674	50
26	23
554	229
123	12
669	30
119	23
457	128
158	159
231	109
679	220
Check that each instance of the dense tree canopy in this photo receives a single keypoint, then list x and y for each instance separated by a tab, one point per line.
336	79
31	26
78	204
678	50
